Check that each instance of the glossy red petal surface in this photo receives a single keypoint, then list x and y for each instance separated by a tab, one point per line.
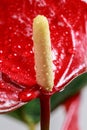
68	27
72	108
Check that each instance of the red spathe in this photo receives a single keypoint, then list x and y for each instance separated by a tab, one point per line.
68	28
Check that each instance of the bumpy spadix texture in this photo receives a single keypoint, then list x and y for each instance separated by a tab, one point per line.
68	28
43	53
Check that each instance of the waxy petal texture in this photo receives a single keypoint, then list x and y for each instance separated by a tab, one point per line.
68	28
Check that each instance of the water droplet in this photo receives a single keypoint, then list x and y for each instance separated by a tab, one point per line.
29	45
59	67
62	56
53	27
57	71
19	46
10	28
15	33
0	61
18	67
66	32
9	40
31	52
2	84
15	54
28	95
14	16
1	51
61	24
77	33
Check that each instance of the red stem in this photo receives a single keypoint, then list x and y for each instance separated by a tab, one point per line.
45	112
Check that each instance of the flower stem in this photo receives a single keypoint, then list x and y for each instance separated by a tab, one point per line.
27	120
45	112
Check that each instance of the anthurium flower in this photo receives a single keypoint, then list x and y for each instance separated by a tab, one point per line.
72	110
68	30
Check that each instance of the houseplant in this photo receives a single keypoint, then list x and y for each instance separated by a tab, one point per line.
67	23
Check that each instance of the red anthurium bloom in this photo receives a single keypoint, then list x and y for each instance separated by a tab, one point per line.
68	28
72	109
